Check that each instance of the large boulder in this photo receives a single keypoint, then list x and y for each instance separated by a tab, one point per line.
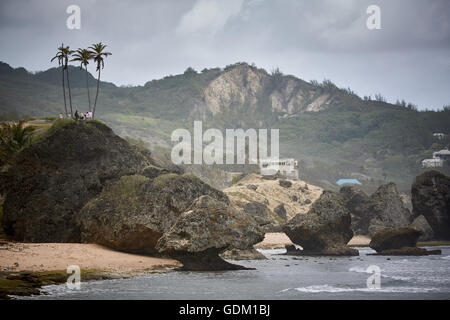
134	212
430	195
389	209
280	210
398	241
52	179
206	229
259	211
383	209
361	207
243	254
325	229
420	223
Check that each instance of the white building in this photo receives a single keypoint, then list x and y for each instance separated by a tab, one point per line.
432	163
287	167
443	154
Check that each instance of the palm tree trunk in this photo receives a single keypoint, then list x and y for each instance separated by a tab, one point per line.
87	87
70	94
96	94
64	90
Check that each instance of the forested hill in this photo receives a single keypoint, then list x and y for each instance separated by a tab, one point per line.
333	132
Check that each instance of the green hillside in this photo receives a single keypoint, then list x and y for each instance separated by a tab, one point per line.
333	132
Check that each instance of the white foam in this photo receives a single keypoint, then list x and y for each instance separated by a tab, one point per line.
333	289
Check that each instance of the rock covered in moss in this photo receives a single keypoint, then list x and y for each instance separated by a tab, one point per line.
133	213
325	229
206	229
52	179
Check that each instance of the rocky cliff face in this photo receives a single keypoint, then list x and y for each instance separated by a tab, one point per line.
243	88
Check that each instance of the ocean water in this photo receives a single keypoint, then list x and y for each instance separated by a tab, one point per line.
283	277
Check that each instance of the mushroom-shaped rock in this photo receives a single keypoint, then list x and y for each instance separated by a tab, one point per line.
324	230
398	241
133	213
206	229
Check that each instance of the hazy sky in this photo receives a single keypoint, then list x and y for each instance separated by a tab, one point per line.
409	58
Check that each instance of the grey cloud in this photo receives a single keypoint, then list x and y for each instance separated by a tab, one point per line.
408	58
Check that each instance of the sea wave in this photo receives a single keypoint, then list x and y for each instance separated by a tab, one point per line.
334	289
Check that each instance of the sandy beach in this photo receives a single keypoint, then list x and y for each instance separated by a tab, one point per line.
277	240
15	256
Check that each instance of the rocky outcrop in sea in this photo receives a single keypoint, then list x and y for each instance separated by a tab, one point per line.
324	230
370	214
399	241
430	196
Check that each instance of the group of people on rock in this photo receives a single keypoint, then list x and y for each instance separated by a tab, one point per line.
83	116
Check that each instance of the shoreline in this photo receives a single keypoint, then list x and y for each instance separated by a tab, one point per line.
26	267
278	240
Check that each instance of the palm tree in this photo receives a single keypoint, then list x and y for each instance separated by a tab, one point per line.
13	138
60	56
99	55
66	54
83	56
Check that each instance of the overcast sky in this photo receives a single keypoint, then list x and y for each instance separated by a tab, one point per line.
409	58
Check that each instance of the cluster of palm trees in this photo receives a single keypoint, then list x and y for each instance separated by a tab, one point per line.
83	56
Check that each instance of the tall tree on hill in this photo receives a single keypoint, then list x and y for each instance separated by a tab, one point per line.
60	56
66	55
83	56
99	56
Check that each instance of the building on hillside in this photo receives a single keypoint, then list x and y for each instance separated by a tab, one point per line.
286	167
340	182
432	163
443	154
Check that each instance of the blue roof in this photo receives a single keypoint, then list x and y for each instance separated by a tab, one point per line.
350	181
